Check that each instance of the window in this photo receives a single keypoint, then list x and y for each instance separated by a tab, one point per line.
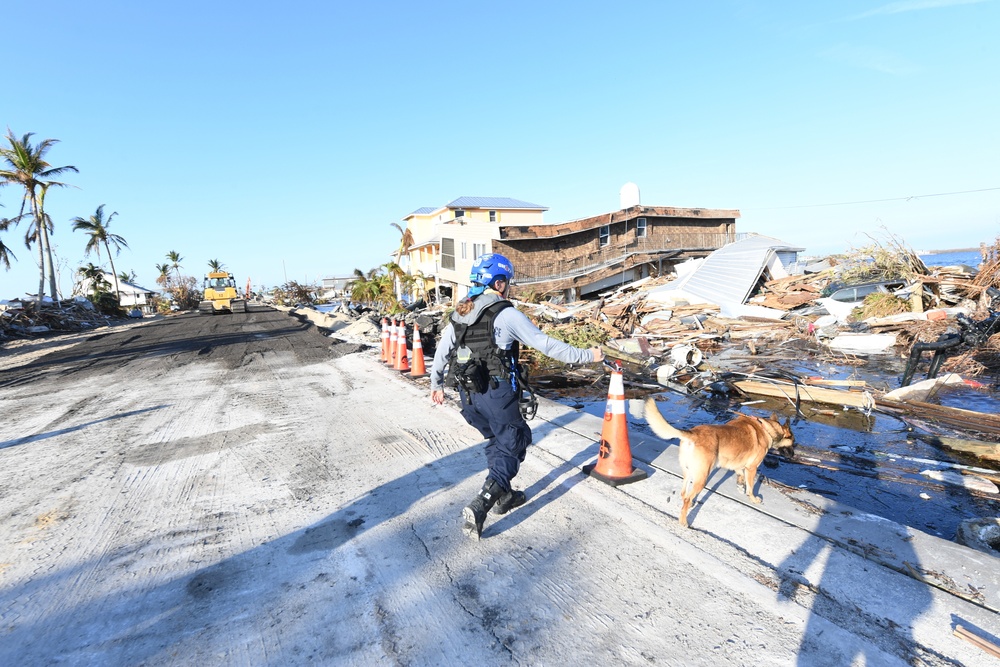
464	248
605	236
448	254
459	213
493	216
640	228
478	249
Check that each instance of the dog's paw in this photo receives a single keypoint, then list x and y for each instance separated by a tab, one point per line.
756	499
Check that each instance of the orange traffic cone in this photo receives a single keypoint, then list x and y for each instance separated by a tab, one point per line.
385	341
614	460
418	370
402	363
391	359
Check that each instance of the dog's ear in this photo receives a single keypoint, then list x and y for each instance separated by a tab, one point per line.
774	416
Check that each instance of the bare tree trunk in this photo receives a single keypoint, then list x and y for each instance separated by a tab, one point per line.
41	250
48	259
118	291
41	275
47	244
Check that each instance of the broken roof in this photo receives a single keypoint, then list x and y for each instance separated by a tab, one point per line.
517	232
727	276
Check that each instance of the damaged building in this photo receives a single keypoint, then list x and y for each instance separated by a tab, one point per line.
577	258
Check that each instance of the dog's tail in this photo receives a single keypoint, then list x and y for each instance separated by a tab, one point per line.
658	423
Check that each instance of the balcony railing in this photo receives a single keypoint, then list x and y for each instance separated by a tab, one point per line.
535	272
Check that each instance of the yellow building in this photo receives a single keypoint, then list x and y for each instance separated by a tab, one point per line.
448	239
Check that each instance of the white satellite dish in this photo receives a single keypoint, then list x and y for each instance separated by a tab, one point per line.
629	195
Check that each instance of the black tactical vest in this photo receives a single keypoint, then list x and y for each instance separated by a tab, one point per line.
475	358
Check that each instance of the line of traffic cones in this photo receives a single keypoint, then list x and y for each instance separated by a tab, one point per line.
394	348
614	460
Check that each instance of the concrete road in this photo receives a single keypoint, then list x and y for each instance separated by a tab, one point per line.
239	489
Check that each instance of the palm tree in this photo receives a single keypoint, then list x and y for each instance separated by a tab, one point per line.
395	274
408	284
5	252
175	260
405	241
366	289
95	275
39	233
215	265
127	276
419	285
97	227
26	166
164	277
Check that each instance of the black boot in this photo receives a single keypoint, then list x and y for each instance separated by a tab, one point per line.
476	511
509	501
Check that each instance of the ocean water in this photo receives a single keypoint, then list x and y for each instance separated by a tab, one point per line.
968	257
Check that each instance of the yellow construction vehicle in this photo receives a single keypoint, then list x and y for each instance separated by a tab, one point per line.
221	295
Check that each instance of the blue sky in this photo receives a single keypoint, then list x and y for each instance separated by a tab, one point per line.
285	138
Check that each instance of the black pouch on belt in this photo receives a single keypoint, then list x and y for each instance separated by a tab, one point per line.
471	373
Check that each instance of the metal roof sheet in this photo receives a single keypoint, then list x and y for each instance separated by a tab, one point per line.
424	210
493	202
728	275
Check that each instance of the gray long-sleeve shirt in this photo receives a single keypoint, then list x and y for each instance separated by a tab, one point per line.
510	325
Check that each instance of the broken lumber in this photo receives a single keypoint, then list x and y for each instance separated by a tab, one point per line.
984	450
977	641
823	382
801	392
968	420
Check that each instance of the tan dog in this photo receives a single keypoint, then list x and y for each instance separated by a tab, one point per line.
739	445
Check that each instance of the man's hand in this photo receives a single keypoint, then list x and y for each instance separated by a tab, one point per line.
437	396
598	354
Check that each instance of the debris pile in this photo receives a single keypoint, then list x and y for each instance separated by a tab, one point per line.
25	319
794	318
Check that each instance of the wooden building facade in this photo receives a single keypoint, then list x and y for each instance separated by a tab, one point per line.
591	254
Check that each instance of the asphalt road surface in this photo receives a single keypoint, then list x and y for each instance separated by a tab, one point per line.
240	489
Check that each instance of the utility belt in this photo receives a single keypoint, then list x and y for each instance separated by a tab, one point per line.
474	377
473	382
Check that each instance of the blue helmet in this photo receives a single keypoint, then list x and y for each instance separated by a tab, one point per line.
489	267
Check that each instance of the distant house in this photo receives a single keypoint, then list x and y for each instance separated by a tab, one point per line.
334	288
131	296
